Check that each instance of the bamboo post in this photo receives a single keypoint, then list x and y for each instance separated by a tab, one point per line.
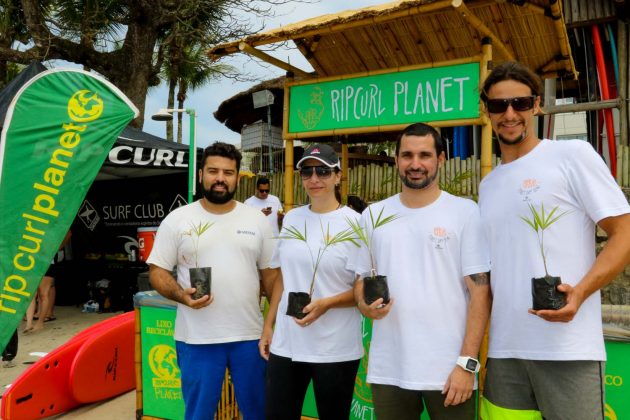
288	147
344	171
486	167
486	127
622	92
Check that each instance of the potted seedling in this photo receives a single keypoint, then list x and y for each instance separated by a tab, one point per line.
298	300
544	289
374	285
200	277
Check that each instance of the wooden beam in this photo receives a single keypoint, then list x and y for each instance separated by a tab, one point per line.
308	52
585	106
246	48
563	40
279	35
483	29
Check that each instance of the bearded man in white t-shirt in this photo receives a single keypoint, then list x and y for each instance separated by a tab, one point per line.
268	204
221	329
425	341
546	363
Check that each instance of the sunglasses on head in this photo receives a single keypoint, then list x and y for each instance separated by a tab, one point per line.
321	172
522	103
263	191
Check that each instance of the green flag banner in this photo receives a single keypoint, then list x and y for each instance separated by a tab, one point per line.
57	132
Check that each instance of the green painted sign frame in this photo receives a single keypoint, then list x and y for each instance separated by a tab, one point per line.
161	377
387	99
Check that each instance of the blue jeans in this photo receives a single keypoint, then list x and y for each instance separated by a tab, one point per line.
203	369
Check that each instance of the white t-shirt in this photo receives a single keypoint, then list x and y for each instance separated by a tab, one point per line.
271	201
570	175
336	335
235	246
425	254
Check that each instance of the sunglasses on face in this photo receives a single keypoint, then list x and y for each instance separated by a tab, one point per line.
522	103
263	191
322	172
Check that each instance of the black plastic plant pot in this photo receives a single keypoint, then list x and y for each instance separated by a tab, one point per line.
297	302
375	287
545	293
201	279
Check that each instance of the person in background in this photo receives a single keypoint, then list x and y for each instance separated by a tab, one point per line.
325	346
546	363
268	203
220	330
10	351
44	299
425	341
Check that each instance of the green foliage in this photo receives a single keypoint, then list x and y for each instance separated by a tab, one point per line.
539	222
365	234
195	232
292	232
455	185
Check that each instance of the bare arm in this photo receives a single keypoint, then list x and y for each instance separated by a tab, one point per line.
273	285
166	285
459	385
610	261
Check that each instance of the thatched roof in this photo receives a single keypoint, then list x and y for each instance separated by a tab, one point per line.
413	32
239	110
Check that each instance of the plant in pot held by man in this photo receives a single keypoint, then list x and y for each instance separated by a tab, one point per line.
298	300
544	289
200	277
374	285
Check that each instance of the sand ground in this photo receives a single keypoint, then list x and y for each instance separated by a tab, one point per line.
70	320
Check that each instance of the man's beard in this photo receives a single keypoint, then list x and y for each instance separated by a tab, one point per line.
218	197
419	185
514	142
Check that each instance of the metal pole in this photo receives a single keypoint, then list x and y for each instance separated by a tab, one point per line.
270	139
192	155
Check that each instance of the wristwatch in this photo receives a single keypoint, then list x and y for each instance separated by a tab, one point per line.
469	364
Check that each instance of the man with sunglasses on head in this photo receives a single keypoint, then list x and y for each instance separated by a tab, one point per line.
546	363
268	203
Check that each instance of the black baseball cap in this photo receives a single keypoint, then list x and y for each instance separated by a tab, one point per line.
322	152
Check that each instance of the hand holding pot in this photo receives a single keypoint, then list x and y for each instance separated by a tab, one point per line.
574	299
188	300
313	311
376	310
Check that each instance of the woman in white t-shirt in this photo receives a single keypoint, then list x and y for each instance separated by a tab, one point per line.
324	346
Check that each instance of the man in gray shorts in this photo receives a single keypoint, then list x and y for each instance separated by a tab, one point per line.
546	363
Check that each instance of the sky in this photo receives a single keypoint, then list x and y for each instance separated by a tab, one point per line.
207	99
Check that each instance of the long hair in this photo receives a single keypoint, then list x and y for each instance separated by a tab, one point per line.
511	70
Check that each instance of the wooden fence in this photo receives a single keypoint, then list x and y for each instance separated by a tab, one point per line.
376	182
